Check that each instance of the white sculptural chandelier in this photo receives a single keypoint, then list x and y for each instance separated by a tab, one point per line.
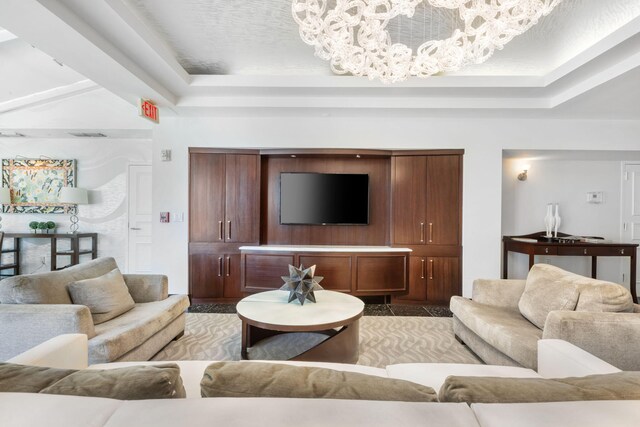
353	34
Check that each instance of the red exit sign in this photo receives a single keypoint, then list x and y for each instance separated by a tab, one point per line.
149	110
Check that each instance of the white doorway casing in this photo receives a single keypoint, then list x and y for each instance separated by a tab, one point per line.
630	209
139	208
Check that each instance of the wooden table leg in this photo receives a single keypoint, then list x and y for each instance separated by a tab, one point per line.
531	260
594	266
54	257
16	246
245	340
505	263
632	275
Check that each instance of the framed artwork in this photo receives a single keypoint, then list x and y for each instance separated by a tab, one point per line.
35	184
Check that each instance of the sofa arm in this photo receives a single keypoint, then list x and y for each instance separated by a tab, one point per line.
23	326
613	337
561	359
147	287
498	292
68	351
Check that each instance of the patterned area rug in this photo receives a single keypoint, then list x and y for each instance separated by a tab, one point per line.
383	341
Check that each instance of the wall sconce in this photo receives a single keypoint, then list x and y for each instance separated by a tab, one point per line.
522	176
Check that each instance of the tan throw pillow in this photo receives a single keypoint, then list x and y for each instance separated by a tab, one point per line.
242	379
29	379
106	296
617	386
548	288
130	383
601	296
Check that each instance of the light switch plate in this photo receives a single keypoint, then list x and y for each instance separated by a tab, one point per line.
595	197
178	216
164	217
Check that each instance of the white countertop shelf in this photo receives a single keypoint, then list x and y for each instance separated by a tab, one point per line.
323	248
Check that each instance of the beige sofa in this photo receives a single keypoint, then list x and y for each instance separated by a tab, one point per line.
36	307
556	359
504	319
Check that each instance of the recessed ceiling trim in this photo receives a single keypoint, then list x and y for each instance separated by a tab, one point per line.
44	97
6	36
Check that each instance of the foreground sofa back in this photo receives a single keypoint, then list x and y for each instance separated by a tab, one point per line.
34	308
505	318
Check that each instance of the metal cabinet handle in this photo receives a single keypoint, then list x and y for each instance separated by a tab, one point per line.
585	251
546	250
430	269
422	232
422	270
430	232
220	266
621	251
220	230
228	230
135	228
228	266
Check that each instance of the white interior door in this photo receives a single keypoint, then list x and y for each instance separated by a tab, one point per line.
139	258
631	210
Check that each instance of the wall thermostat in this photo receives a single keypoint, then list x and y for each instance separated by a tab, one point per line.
595	197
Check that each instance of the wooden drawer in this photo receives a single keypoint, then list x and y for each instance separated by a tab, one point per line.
336	270
381	273
592	251
545	250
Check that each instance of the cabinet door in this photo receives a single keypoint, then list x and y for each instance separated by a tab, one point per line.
336	270
232	276
206	197
381	274
443	200
417	279
443	278
242	203
409	200
206	275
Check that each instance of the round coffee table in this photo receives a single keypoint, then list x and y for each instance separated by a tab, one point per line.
267	314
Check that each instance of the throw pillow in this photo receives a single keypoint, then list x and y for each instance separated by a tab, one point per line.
548	288
106	296
249	379
130	383
28	379
617	386
601	296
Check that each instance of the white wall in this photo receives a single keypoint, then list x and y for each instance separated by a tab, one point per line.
565	182
483	141
102	169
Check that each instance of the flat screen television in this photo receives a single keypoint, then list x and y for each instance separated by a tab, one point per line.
324	198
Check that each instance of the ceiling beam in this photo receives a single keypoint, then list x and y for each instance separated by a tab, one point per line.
6	36
56	30
46	96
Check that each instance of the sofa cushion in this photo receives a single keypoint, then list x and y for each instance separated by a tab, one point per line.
616	386
130	383
237	379
51	287
505	330
107	296
548	288
120	335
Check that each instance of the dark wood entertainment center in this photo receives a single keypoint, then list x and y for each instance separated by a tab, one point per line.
415	218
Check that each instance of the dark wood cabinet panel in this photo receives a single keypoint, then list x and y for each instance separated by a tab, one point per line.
381	273
206	197
443	279
336	270
242	198
409	204
264	271
443	200
417	280
206	275
231	284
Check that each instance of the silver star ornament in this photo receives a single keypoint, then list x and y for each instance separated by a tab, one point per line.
301	283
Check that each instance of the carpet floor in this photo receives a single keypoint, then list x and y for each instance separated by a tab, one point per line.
384	340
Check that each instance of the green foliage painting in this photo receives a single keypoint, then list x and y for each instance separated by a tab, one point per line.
35	184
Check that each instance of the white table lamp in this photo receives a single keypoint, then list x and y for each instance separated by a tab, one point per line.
5	199
74	196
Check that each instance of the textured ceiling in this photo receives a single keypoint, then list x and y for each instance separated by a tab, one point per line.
260	37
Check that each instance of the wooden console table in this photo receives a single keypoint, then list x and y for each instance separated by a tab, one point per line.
536	244
74	252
